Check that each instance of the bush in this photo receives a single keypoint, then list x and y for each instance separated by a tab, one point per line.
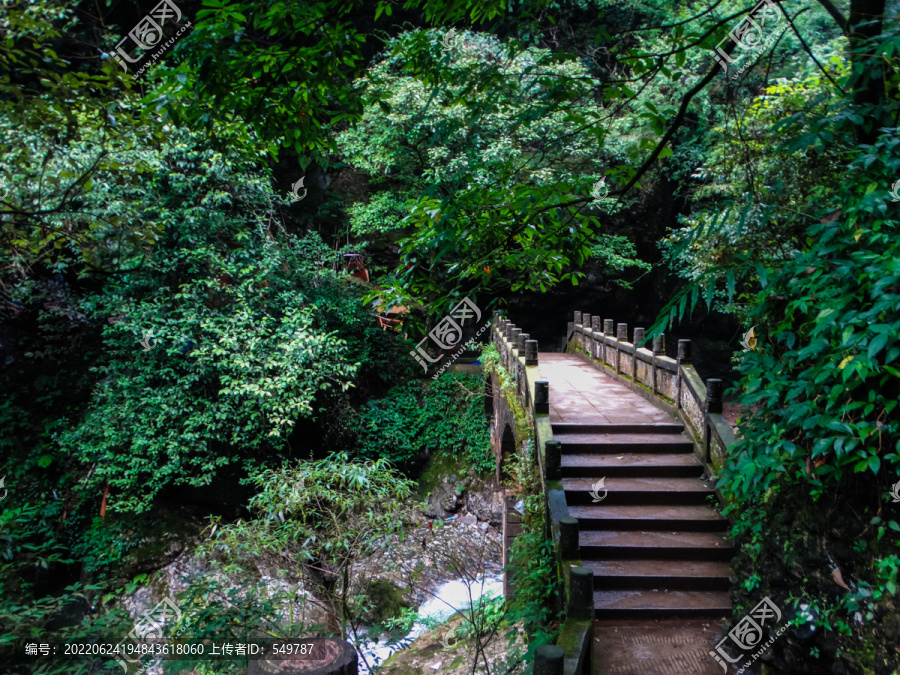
417	419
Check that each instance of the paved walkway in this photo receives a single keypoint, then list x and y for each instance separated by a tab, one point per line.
579	393
656	547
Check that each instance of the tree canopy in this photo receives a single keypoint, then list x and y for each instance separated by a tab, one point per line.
171	318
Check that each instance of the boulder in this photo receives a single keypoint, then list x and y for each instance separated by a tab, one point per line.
484	500
446	498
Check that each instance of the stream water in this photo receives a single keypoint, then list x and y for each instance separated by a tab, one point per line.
446	599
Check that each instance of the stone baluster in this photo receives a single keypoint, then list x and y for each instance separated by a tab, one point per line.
581	594
541	397
608	331
510	366
514	337
553	459
569	548
714	396
638	339
713	405
586	341
621	336
684	357
595	328
659	349
520	343
549	660
531	352
638	336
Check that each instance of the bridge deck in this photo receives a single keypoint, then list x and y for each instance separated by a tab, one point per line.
579	393
660	608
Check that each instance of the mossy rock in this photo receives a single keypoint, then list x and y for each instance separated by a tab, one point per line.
385	600
404	669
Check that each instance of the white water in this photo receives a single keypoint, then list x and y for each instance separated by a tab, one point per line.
445	600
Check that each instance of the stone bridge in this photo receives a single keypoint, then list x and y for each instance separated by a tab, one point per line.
625	438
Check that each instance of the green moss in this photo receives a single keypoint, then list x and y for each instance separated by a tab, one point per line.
385	600
572	637
440	465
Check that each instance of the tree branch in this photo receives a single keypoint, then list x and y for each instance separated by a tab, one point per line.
676	124
837	16
809	51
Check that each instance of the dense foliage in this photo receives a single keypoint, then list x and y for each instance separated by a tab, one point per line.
169	322
444	417
455	163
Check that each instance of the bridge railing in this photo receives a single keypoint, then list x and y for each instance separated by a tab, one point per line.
573	651
673	384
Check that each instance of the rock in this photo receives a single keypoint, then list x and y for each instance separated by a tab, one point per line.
427	651
175	577
468	519
890	626
386	600
444	500
485	502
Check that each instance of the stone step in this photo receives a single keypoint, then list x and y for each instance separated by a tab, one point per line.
653	428
650	443
653	545
648	517
690	575
677	646
659	465
620	491
661	604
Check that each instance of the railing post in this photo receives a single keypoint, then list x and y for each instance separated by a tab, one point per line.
508	355
541	397
553	459
713	405
684	356
581	594
621	336
659	349
577	318
531	352
520	343
714	395
638	338
549	660
569	548
607	331
595	328
587	340
514	337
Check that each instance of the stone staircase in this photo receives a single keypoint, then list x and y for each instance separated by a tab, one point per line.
656	545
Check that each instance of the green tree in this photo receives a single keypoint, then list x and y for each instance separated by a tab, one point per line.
326	514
